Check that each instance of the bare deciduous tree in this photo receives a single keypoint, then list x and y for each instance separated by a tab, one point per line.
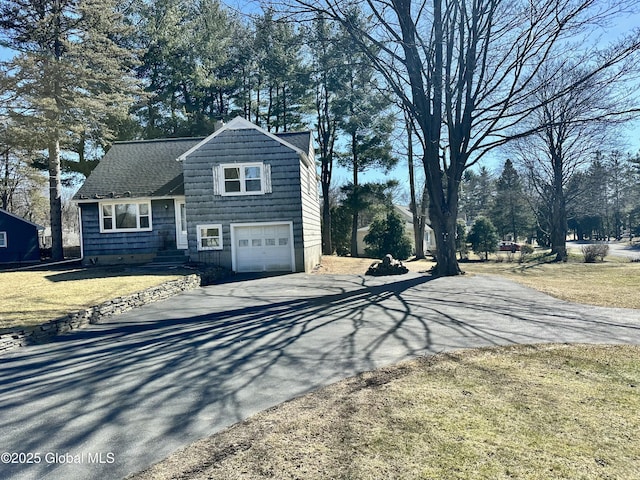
570	126
464	69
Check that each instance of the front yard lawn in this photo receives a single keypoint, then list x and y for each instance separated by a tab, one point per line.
612	283
526	412
32	297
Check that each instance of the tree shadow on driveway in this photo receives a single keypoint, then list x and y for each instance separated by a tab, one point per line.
147	382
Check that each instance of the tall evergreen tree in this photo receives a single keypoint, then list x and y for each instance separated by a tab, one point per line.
194	56
283	78
476	194
70	74
328	78
365	120
510	212
603	197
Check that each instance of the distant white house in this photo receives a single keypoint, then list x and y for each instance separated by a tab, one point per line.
429	242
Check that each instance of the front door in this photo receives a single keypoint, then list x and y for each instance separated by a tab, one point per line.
181	225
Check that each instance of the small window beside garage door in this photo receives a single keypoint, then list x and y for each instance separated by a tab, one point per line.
210	237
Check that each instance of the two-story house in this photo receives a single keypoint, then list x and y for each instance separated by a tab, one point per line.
242	198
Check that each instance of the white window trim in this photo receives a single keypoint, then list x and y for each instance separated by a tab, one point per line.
3	240
199	229
219	181
125	230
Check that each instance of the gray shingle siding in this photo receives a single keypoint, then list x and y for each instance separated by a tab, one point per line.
151	170
312	237
162	237
282	205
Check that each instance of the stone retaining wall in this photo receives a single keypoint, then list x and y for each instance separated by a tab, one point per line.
46	331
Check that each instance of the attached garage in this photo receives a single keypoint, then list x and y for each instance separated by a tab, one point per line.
263	247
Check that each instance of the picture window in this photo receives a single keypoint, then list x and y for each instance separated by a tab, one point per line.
125	217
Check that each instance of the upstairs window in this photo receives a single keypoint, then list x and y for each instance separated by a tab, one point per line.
125	217
242	179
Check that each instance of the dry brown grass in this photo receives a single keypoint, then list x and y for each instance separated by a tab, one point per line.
613	283
33	297
332	264
528	412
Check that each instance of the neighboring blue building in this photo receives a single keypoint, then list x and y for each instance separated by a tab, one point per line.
18	239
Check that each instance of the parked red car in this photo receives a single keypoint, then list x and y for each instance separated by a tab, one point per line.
508	247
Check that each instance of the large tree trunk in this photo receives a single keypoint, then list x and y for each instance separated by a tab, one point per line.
559	231
357	199
354	235
5	182
417	217
55	200
444	229
327	248
558	213
443	205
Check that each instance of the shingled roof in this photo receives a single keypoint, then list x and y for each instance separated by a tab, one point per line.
149	168
300	140
145	168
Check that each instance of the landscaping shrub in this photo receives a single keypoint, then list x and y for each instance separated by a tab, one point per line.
387	236
525	250
211	274
593	253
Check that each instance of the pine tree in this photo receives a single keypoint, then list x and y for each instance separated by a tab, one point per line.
283	76
387	236
328	78
483	237
364	119
476	191
71	73
510	212
194	58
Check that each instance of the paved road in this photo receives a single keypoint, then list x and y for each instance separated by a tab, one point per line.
616	249
114	398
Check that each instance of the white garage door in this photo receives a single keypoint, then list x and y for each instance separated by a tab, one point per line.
263	248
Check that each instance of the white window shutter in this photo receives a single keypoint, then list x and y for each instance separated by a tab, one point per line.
267	178
216	180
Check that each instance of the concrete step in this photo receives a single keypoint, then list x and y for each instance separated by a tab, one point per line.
169	258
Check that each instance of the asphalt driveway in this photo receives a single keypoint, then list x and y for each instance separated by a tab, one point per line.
114	398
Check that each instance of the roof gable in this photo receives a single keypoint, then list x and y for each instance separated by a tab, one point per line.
24	220
148	168
295	141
